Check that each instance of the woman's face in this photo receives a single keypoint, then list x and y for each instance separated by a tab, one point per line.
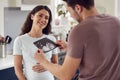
40	19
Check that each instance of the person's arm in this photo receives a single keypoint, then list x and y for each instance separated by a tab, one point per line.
18	67
64	72
54	58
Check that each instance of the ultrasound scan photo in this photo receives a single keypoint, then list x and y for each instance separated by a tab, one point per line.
45	44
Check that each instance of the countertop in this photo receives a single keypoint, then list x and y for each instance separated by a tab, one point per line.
6	62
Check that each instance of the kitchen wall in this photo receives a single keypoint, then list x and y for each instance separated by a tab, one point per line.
6	3
118	8
107	5
13	21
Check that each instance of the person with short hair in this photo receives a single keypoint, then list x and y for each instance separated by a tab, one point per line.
93	45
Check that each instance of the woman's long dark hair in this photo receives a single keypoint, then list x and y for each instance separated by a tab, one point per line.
28	23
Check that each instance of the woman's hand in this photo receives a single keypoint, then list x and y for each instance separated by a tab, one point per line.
38	68
62	44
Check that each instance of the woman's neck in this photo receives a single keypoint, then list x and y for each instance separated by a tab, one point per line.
35	34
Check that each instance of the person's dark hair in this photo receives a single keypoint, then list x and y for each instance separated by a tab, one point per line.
85	3
28	23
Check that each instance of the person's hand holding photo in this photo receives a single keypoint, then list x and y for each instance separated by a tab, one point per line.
62	44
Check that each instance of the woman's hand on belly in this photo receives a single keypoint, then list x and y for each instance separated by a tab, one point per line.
38	68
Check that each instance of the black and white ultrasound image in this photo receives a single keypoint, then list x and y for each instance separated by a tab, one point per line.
45	44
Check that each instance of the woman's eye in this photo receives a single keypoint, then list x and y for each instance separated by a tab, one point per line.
46	17
40	15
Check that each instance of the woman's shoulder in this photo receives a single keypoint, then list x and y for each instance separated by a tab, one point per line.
21	37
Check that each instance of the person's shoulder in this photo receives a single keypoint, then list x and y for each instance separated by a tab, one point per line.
76	29
21	37
17	39
78	26
112	19
107	16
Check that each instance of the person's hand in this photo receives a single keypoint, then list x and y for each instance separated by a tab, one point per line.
39	56
62	44
38	68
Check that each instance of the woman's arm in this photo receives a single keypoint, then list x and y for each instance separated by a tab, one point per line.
18	67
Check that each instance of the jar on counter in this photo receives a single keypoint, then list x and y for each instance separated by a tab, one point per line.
3	50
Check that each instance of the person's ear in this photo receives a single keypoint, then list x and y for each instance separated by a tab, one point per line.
78	8
32	16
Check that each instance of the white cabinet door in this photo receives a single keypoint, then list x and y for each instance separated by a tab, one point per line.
47	2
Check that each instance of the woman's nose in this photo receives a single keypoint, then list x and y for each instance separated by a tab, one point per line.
43	18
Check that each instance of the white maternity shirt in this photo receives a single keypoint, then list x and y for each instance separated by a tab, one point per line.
23	45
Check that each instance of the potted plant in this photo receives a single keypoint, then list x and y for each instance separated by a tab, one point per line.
61	10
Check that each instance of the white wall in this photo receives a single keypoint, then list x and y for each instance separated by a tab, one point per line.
108	5
6	3
118	8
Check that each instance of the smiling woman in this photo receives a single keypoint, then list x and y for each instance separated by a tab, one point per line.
36	27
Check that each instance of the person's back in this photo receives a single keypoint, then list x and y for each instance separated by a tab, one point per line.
99	48
93	45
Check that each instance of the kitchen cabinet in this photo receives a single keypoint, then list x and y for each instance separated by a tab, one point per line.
31	2
8	74
7	68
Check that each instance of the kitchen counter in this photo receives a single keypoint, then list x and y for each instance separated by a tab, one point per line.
6	62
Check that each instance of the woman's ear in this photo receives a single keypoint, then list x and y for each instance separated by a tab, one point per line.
32	16
78	8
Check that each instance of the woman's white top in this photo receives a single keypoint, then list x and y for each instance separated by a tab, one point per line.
23	45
